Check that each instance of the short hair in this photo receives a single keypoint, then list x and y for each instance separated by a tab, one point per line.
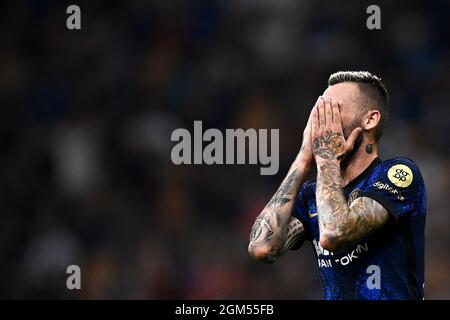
374	93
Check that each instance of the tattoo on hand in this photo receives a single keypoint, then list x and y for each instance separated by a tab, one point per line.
330	145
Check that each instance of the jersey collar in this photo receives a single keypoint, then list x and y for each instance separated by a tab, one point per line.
364	174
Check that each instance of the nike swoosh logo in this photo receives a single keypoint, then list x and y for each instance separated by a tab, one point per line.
312	215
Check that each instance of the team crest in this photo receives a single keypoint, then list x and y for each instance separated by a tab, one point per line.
353	195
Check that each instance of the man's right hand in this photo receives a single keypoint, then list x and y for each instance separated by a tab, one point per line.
275	230
305	157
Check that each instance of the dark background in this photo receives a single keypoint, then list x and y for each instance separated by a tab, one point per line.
86	176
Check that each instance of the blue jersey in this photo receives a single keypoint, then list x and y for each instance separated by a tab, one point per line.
388	264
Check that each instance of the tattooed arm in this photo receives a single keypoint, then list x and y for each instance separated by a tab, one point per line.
275	230
340	226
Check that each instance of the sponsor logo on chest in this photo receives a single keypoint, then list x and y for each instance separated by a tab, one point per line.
326	259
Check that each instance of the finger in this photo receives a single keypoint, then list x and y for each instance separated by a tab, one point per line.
321	112
311	113
328	113
350	143
336	113
314	121
317	101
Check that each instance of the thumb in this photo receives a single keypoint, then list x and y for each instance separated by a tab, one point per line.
350	143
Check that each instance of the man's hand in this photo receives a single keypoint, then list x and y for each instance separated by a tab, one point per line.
305	157
275	231
328	141
340	226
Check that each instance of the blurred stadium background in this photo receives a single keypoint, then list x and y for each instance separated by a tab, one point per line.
86	176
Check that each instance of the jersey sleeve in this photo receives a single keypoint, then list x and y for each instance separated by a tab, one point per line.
398	186
301	210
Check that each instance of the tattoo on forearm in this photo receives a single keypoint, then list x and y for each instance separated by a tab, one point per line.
273	226
330	197
285	193
262	230
330	145
343	224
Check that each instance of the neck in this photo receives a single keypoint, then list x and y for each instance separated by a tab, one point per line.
357	162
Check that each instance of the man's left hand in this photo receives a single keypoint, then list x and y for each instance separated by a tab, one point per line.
327	135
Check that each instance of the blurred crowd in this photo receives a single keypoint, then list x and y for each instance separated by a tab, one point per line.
86	176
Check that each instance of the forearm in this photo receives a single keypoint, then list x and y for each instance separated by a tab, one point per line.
341	225
335	218
273	231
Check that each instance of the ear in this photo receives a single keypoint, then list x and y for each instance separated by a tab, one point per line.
371	119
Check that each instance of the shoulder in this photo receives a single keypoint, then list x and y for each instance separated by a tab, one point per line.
400	171
400	160
401	165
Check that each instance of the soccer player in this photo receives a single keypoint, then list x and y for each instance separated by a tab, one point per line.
364	216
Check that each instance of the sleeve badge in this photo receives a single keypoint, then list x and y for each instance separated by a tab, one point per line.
400	175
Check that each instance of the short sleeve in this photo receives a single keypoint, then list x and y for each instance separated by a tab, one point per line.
398	186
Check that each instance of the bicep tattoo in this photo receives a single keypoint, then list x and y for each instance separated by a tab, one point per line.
368	216
294	233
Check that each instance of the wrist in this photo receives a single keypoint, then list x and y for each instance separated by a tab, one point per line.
303	163
320	161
